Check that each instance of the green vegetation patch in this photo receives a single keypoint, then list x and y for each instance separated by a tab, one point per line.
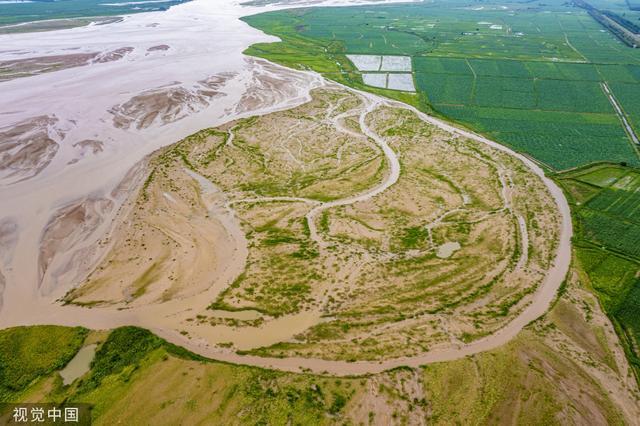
612	217
414	237
29	353
125	346
611	232
522	382
628	96
607	237
519	383
525	79
139	378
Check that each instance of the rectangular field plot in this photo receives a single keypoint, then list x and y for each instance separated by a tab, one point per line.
579	96
618	235
505	92
394	81
375	79
563	71
610	275
560	139
396	63
603	177
366	62
442	65
381	63
628	96
403	82
618	202
620	73
499	68
446	89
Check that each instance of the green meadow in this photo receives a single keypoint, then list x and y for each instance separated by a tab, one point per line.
137	378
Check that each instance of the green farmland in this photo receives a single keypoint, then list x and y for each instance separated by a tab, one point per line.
606	205
525	74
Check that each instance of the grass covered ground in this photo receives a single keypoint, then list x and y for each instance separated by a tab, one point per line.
138	378
528	77
29	353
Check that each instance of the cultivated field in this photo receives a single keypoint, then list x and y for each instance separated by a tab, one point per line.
528	77
400	77
606	206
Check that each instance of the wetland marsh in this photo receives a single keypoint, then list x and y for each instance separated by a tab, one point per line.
361	225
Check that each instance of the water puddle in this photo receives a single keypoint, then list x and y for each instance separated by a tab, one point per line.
447	249
278	330
79	365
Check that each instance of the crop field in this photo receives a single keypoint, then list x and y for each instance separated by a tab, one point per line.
613	233
606	202
528	77
611	216
628	95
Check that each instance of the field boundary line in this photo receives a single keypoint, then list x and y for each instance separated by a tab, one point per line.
622	116
475	80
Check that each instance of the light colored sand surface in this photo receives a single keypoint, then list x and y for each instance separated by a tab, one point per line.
447	249
246	315
28	147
